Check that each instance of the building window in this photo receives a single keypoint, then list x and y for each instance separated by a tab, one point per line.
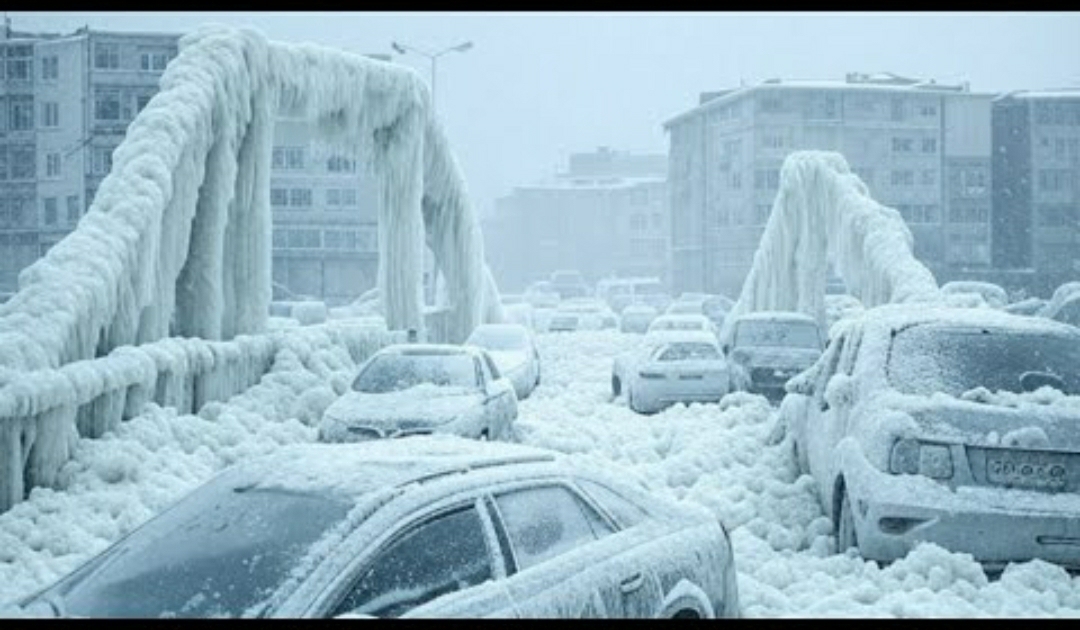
50	210
23	161
657	221
771	141
766	179
896	110
333	239
340	164
142	100
770	103
52	165
107	105
919	213
333	197
929	177
279	197
50	114
348	197
969	214
280	239
761	213
639	222
928	111
929	145
20	113
903	178
304	239
101	160
300	197
50	68
288	158
153	61
639	197
20	63
107	56
736	180
902	145
73	208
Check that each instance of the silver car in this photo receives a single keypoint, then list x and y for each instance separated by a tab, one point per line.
956	426
411	389
434	526
682	371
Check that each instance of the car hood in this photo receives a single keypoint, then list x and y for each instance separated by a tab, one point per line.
509	360
1033	426
764	356
416	407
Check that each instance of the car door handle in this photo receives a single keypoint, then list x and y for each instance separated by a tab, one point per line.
632	583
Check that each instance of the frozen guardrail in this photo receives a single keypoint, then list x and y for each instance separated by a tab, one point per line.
43	412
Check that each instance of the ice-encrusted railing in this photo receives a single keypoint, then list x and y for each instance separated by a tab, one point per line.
824	213
43	412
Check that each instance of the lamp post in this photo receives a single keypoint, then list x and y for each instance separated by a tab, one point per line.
401	49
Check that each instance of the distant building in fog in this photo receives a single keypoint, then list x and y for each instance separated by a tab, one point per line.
1036	185
921	147
607	215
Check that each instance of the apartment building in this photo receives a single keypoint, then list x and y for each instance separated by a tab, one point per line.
921	147
1036	186
605	216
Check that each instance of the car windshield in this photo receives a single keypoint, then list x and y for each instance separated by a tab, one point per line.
499	338
220	552
778	334
677	324
689	352
938	357
395	372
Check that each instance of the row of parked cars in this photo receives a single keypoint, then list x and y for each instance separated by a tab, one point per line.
452	519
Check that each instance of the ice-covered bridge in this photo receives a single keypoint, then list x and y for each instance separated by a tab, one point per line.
162	291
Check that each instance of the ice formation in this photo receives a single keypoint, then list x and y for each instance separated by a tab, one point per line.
823	213
177	241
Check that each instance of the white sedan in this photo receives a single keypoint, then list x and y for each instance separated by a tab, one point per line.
411	389
684	371
514	351
625	364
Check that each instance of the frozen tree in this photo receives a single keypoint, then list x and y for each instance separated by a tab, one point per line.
823	213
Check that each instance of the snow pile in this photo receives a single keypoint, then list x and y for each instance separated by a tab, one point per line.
114	483
823	213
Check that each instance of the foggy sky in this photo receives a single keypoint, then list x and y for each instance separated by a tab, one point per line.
538	86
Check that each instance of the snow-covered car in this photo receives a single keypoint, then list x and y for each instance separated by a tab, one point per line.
993	295
561	321
592	314
669	323
1032	306
839	306
569	284
541	295
636	318
434	526
624	364
686	307
1066	311
772	346
514	351
410	389
955	426
687	371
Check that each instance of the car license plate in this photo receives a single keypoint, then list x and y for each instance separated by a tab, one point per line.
1047	471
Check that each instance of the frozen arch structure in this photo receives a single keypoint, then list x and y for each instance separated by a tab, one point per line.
177	241
824	213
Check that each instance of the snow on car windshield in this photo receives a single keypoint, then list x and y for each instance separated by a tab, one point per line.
941	358
219	552
783	334
396	372
499	337
689	352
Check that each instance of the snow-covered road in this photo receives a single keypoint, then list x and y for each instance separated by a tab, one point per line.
713	454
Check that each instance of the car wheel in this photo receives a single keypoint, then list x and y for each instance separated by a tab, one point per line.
845	527
616	386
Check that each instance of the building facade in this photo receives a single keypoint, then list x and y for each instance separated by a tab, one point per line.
920	147
605	216
1036	186
65	104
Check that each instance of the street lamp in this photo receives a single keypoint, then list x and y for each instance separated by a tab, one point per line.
401	49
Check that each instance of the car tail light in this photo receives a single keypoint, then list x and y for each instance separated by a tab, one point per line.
912	457
651	375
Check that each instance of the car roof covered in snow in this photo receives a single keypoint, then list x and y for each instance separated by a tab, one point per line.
902	315
354	470
777	316
428	349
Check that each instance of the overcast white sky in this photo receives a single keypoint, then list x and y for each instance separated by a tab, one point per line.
538	86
